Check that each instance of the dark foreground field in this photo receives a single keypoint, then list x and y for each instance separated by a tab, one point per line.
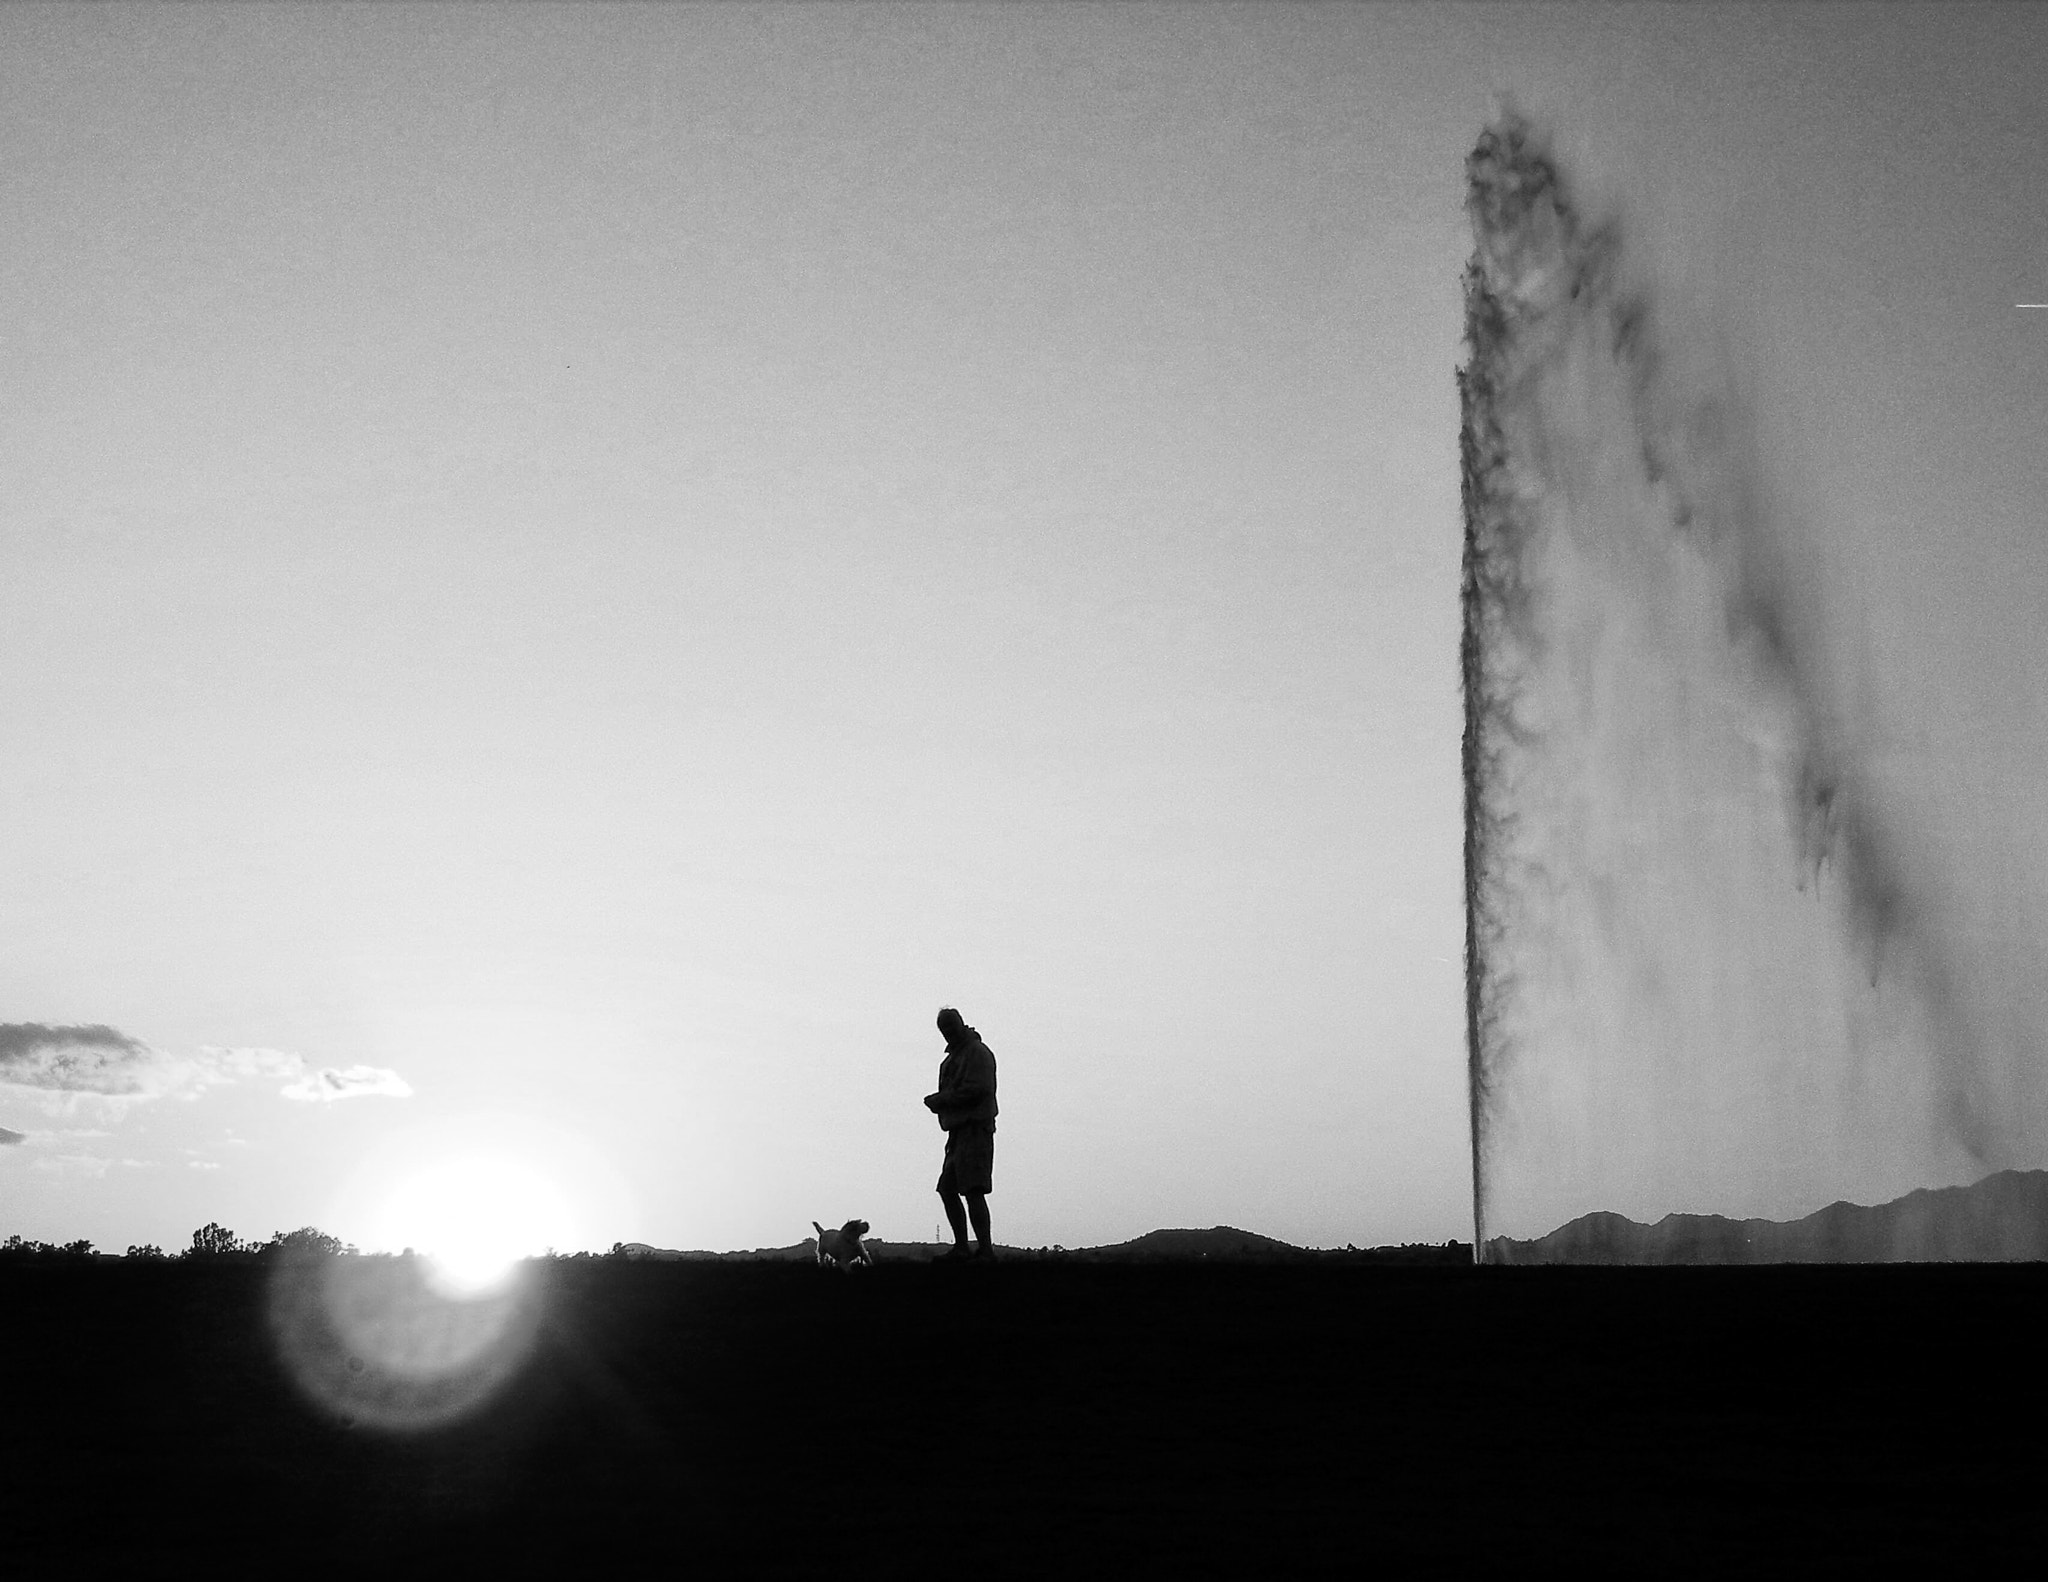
775	1419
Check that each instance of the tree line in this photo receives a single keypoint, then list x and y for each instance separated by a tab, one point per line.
209	1241
213	1240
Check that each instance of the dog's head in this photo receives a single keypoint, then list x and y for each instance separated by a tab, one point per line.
854	1229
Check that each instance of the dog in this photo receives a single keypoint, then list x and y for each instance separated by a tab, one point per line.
843	1248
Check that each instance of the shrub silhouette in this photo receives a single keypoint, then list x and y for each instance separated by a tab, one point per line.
211	1241
307	1239
17	1247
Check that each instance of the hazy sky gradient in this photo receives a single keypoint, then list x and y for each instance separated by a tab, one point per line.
606	561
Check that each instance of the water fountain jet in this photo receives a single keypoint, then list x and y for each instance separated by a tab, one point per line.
1704	971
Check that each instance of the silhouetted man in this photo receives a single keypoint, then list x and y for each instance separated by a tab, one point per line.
966	1107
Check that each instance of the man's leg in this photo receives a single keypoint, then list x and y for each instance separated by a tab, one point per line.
956	1216
977	1209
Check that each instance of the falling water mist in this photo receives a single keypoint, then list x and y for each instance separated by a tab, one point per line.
1703	972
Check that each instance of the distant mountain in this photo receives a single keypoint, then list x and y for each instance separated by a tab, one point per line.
2000	1219
891	1251
641	1249
1220	1244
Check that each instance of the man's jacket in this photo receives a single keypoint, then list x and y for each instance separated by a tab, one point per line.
967	1084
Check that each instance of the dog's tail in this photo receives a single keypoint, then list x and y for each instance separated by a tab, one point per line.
820	1229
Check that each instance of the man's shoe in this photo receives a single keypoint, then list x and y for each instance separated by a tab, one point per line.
953	1255
985	1253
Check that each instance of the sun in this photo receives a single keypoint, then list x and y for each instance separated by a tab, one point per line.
475	1216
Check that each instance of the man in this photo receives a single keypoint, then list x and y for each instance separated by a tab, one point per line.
966	1107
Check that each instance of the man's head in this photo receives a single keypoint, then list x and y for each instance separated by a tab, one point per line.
951	1023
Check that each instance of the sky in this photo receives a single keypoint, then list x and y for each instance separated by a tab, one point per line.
572	573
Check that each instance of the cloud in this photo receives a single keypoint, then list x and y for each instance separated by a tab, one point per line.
351	1082
73	1164
106	1062
10	1139
304	1082
86	1059
231	1065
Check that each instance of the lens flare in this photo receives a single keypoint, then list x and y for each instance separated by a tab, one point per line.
414	1340
375	1341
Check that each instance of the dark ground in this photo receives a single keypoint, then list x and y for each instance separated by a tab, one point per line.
753	1419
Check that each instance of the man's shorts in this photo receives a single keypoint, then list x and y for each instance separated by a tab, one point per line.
970	1160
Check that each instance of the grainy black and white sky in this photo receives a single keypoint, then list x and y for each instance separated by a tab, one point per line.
570	574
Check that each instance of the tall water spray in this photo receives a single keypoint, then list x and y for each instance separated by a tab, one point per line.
1702	973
